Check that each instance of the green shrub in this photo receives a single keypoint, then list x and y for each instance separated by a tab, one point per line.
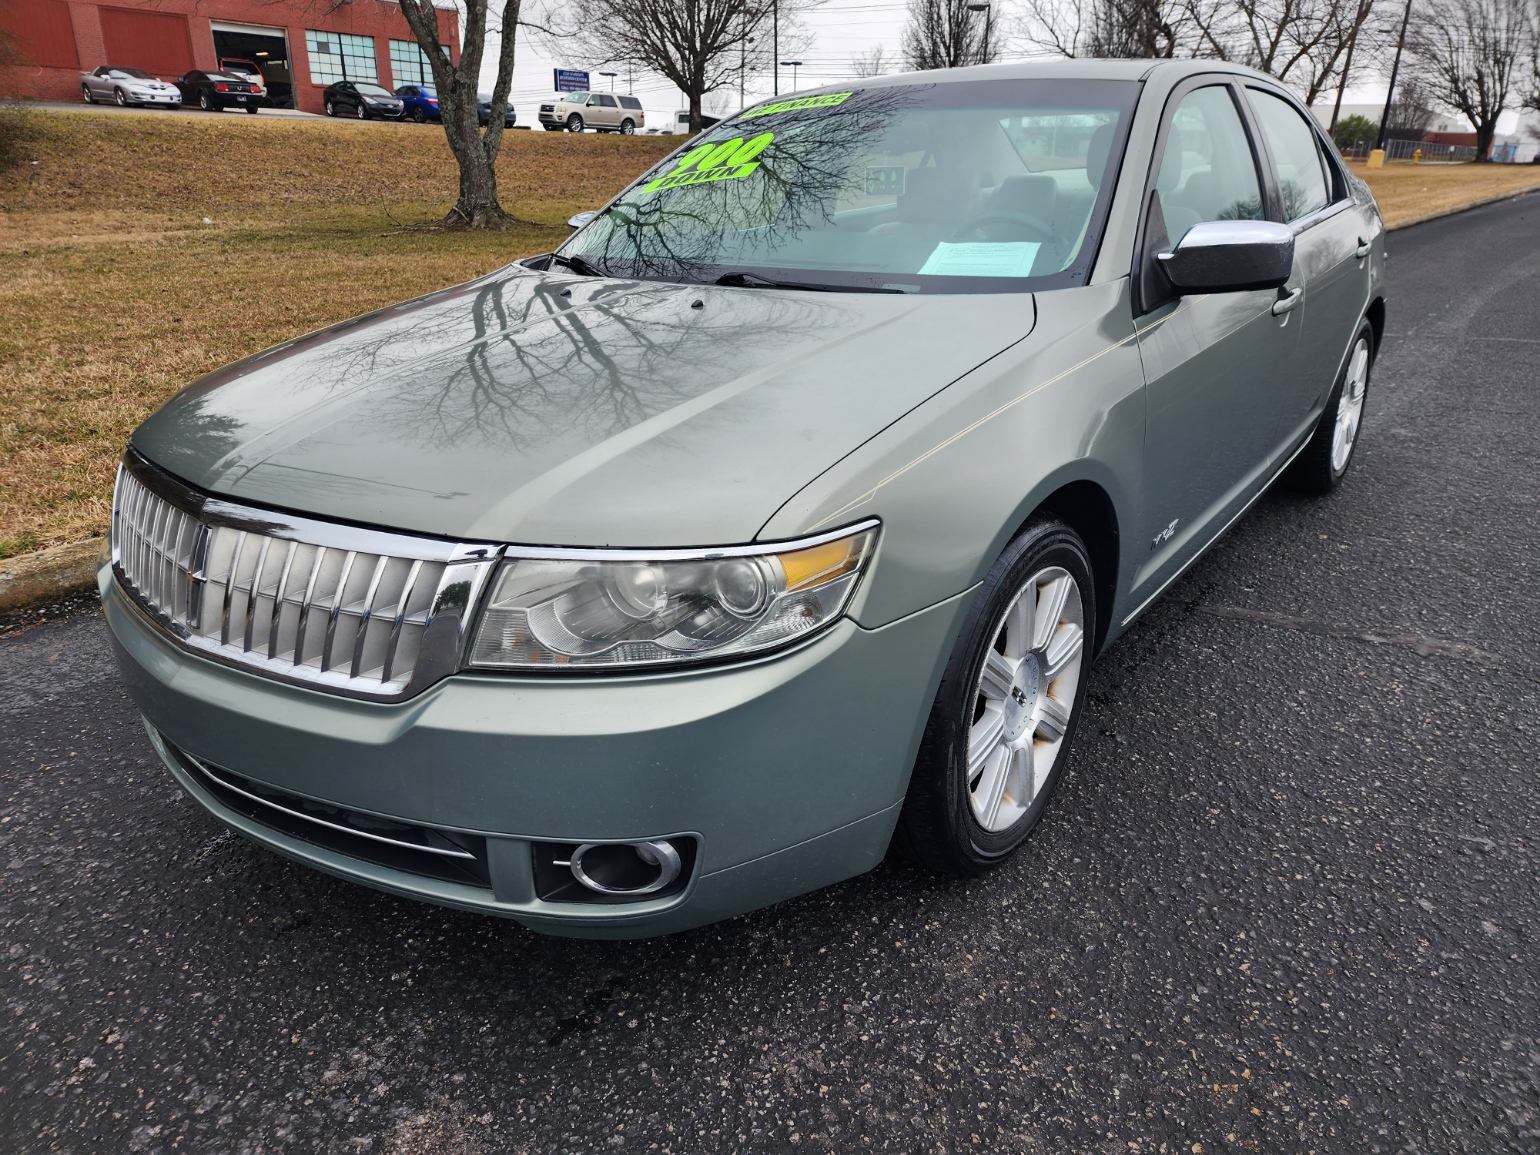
1352	129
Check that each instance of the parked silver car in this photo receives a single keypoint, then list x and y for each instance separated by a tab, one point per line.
127	86
773	520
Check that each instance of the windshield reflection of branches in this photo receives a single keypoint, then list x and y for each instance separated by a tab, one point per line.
685	233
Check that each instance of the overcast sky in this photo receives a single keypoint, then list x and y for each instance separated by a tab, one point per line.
833	33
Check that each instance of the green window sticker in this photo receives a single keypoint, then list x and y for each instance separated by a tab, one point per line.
827	100
728	160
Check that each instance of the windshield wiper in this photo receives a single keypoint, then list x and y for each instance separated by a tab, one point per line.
578	265
745	280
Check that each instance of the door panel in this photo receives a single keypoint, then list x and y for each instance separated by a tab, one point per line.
1214	364
1327	238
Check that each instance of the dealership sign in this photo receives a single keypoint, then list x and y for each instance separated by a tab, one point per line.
568	80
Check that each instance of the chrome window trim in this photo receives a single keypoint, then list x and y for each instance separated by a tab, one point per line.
694	553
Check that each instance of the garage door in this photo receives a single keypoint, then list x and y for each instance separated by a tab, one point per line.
154	41
43	32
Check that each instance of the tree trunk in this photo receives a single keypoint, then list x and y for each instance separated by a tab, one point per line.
477	207
1485	131
695	124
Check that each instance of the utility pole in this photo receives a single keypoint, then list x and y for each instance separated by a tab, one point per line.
1395	67
775	45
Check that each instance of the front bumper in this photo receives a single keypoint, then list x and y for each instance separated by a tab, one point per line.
788	771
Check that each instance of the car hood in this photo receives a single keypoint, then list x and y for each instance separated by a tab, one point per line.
561	410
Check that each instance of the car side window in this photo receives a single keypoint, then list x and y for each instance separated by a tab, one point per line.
607	101
1207	172
1302	177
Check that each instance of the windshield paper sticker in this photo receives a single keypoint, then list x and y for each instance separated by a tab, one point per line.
981	259
827	100
726	160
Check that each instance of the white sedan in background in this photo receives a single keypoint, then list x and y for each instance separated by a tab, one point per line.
127	86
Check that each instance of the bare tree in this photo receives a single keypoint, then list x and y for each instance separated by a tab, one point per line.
698	45
1119	29
475	151
1411	109
950	34
874	62
1470	53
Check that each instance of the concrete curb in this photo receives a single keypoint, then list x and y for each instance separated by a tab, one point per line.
49	575
1491	200
53	574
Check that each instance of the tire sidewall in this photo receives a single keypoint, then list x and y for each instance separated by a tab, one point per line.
938	795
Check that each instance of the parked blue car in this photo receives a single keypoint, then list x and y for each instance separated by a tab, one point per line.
420	103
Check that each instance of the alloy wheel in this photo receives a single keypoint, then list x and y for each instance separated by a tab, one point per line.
85	94
117	94
1024	699
1350	406
574	123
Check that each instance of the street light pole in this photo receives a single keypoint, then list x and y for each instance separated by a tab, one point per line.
612	76
793	65
1379	141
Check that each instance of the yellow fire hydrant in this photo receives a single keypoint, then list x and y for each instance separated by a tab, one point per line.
1417	156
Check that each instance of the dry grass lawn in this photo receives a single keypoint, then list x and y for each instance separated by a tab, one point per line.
140	252
1408	192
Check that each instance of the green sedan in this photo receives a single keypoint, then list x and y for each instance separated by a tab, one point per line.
769	525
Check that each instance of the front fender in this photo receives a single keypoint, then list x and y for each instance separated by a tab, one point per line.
956	477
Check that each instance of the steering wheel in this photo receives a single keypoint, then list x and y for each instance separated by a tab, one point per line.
1039	226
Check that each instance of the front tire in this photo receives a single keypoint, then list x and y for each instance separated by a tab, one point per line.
331	109
119	96
574	123
1004	718
1324	462
362	113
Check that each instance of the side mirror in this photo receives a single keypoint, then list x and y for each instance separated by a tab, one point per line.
581	219
1230	256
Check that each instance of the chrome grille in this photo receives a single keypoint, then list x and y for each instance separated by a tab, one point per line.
327	605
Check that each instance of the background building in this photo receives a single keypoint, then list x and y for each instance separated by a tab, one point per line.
300	45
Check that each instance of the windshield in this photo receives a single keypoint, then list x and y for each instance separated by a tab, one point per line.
373	90
990	186
132	73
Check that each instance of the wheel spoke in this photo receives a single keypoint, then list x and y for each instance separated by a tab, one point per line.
984	738
991	787
1050	608
1063	649
1053	719
1018	625
995	683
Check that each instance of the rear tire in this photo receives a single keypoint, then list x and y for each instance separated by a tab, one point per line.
628	128
1328	454
85	94
204	102
1004	718
419	116
253	109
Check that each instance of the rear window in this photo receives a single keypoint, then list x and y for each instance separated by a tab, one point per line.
630	102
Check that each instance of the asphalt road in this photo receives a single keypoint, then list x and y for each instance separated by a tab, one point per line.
1286	899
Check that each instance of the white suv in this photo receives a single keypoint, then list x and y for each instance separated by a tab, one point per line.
600	111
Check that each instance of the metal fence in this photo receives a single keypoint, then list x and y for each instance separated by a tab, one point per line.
1407	150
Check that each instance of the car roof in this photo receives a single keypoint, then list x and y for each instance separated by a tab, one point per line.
1045	70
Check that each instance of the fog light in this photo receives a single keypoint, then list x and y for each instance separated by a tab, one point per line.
628	869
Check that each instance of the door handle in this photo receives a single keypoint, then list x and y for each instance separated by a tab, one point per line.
1284	303
1363	248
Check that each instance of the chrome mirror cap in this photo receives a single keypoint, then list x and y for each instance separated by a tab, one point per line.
581	219
1230	257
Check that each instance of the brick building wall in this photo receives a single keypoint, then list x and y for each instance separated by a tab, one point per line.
59	39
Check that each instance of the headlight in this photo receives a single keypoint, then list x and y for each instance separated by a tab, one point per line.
624	608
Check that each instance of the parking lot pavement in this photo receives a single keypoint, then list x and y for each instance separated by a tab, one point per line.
1285	900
